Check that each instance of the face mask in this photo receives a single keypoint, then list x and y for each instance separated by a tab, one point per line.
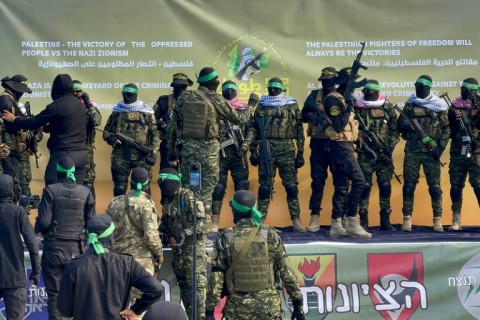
465	93
129	98
370	95
328	85
177	91
422	91
229	94
274	91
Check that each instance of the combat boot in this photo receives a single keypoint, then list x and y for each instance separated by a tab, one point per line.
385	220
214	223
437	224
314	225
336	229
354	229
407	223
455	222
363	218
297	225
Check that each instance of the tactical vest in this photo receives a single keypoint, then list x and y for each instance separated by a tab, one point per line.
177	221
426	118
170	106
200	119
313	130
68	217
376	120
281	122
19	139
134	125
350	132
254	272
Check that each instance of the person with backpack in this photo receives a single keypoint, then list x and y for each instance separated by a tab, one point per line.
248	263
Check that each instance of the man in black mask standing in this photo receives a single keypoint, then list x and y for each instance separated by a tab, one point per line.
313	113
63	213
65	120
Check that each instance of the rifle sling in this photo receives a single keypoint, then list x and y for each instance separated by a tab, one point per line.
242	252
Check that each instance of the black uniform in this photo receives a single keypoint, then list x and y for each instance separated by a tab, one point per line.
97	286
14	225
62	215
65	120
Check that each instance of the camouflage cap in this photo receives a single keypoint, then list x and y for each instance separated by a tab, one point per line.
17	83
181	79
328	73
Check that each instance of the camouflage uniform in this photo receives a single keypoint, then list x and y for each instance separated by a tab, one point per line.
5	144
177	217
262	304
382	121
435	125
139	125
136	230
284	132
462	160
94	119
206	149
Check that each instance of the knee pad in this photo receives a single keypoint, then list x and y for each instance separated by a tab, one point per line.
263	192
385	188
456	193
119	190
408	190
366	190
242	185
218	192
292	191
435	192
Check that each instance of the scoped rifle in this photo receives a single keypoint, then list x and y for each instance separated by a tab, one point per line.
466	140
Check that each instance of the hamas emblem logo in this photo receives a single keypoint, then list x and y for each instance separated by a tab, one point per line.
317	278
396	284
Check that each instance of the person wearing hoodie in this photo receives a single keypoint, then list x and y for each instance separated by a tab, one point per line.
97	284
14	225
135	120
63	214
65	120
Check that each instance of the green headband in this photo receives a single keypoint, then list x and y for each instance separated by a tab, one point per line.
256	215
77	86
424	81
130	90
372	86
169	176
469	86
208	77
70	172
274	84
229	86
139	186
93	238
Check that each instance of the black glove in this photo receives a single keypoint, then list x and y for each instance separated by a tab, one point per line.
254	159
86	100
253	100
209	315
111	140
313	119
437	153
150	159
386	153
299	161
35	277
297	313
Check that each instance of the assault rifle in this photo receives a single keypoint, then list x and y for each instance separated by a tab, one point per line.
251	63
125	140
466	140
377	144
32	143
265	156
237	137
419	132
352	84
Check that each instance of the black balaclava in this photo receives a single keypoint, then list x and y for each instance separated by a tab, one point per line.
16	86
328	79
371	91
229	90
208	78
100	233
469	87
62	86
66	170
169	182
180	82
423	86
6	188
177	90
139	180
275	87
244	206
130	93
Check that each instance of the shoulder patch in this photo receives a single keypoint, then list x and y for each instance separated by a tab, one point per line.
334	111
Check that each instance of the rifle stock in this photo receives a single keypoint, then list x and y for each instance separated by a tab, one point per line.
265	155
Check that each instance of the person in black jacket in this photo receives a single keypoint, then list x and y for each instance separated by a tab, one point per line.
65	120
97	284
14	225
62	217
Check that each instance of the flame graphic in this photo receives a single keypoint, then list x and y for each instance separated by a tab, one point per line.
309	267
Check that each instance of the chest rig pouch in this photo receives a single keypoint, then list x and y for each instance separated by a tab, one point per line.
199	116
280	123
134	126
